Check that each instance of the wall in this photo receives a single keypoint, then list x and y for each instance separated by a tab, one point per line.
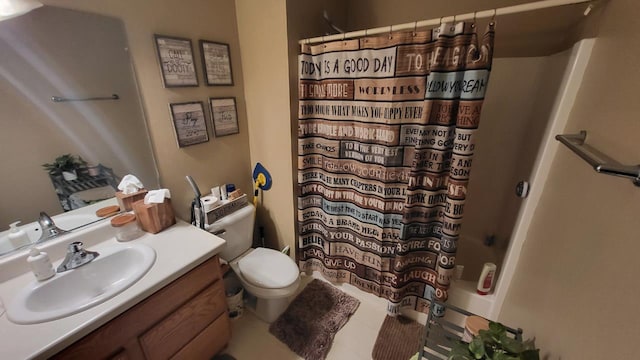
542	32
262	28
269	31
221	160
575	287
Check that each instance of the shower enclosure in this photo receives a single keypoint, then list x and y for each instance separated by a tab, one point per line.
527	104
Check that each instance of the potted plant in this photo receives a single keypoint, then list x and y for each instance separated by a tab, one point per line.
494	344
65	165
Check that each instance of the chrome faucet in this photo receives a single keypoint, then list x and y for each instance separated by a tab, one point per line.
76	257
48	228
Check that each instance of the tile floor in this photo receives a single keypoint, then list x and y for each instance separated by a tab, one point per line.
251	338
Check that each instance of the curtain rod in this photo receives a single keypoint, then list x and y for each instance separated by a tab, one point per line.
468	16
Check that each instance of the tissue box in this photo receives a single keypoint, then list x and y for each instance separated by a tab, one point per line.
126	200
154	218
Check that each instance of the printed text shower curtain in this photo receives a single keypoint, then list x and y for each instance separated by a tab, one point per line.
386	139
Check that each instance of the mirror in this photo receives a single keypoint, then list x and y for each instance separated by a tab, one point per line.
59	52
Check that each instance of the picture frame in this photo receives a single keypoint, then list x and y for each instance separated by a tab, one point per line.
224	116
189	123
216	61
176	61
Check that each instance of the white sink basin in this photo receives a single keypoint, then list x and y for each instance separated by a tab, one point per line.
117	268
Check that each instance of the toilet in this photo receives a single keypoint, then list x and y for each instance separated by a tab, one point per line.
268	275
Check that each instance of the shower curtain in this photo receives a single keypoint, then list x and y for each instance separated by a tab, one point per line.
385	144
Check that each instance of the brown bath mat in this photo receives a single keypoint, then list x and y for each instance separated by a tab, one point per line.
313	318
398	339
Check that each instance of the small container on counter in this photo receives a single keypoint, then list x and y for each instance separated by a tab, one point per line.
127	227
40	264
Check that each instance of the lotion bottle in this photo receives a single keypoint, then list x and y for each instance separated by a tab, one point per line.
486	278
18	237
40	264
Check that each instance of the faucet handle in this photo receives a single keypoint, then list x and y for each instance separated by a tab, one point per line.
75	247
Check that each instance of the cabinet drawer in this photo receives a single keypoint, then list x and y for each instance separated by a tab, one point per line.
180	327
209	342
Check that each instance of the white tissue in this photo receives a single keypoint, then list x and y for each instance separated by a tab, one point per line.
130	184
209	202
157	196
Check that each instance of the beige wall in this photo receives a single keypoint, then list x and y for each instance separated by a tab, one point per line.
262	28
269	31
575	287
221	160
542	32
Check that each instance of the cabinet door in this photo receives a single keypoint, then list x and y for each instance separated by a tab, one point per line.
198	294
209	342
169	335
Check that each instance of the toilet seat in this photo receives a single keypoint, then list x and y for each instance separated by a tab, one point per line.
268	268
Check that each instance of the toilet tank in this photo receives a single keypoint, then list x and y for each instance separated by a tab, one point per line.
237	230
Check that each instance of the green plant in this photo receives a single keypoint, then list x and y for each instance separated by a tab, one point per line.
495	344
66	162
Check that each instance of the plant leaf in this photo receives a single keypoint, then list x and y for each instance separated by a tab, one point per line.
503	356
512	346
476	346
529	344
530	355
496	329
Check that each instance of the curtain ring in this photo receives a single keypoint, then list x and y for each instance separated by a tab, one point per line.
453	26
415	28
390	31
473	24
344	34
493	17
439	26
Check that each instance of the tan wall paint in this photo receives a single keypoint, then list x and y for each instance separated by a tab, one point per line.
262	28
537	33
221	160
575	287
269	31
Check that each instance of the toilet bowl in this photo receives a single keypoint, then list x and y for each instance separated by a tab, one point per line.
268	275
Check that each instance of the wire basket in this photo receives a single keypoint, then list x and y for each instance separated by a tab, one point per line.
442	332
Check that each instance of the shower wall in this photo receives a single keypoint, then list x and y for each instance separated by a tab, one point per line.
518	103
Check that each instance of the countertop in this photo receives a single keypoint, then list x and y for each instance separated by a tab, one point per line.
179	249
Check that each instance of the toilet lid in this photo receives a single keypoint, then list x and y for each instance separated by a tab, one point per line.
268	268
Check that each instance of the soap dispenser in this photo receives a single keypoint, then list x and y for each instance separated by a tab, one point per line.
18	237
40	264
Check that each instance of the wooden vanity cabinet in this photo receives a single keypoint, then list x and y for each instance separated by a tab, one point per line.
186	319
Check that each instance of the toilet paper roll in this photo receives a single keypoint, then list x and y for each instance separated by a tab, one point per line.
209	202
215	191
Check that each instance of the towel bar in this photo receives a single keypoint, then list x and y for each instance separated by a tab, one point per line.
599	161
63	99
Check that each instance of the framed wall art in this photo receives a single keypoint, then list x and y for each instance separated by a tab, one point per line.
177	66
224	116
189	123
217	63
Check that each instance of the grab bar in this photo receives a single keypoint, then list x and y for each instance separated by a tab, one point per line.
599	161
63	99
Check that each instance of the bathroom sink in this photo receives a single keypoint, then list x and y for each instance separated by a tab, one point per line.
117	268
